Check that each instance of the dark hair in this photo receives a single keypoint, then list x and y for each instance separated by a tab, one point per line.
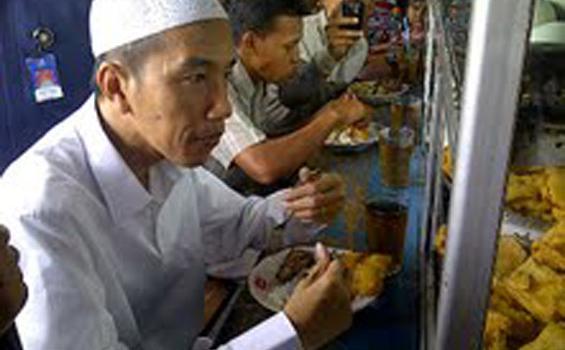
259	15
132	56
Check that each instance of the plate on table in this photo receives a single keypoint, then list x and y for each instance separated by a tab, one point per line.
380	92
353	138
266	286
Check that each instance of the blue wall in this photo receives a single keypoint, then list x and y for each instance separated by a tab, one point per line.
22	121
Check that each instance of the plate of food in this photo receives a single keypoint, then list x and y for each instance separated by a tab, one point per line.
273	280
379	92
353	137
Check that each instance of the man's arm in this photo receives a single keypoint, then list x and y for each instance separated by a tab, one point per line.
272	159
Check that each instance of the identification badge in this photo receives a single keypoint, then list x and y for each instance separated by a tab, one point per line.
45	78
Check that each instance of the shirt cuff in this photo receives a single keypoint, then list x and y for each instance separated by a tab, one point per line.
276	333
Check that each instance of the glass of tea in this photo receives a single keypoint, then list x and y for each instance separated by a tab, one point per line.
395	153
386	223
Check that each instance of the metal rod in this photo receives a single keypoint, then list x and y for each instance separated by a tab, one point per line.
499	34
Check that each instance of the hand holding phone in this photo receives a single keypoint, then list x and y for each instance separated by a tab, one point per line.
355	9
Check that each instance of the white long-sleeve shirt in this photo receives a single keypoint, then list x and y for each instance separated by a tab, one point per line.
111	266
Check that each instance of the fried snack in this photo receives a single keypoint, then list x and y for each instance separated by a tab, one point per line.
551	338
295	262
556	186
510	256
524	187
350	135
496	331
441	240
550	249
360	133
539	290
522	327
350	258
447	162
368	276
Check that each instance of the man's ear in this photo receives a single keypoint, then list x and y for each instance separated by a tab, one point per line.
113	82
249	42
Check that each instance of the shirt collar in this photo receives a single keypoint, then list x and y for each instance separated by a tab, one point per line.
122	191
243	84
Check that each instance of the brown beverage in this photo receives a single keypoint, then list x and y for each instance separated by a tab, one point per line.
386	230
395	152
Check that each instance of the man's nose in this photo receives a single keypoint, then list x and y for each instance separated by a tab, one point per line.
221	108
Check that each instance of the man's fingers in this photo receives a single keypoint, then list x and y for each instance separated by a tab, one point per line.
325	183
338	33
315	201
314	272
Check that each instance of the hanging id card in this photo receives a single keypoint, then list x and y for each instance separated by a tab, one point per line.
45	78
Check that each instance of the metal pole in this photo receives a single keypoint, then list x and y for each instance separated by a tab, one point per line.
499	33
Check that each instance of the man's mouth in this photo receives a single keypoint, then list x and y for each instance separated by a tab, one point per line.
212	139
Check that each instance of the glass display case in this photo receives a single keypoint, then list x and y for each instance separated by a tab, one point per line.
494	248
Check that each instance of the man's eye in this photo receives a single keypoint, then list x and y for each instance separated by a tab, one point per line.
195	78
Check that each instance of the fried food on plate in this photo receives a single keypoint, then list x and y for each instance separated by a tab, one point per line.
350	135
520	187
296	261
556	185
550	249
496	331
521	326
539	290
551	338
368	275
510	255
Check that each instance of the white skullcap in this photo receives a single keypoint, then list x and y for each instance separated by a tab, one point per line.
114	23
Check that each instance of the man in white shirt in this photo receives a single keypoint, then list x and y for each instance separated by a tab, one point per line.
116	223
267	34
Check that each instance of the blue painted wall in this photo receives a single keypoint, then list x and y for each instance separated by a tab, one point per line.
22	121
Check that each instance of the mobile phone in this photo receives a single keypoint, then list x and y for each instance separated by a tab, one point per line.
356	9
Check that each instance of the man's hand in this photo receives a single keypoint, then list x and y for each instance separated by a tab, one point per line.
350	110
320	307
340	39
13	291
317	197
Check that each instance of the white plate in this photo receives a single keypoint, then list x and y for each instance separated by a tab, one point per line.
341	140
269	292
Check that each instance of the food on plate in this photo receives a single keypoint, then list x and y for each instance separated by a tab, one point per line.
351	135
296	261
539	290
496	331
522	327
510	255
550	249
556	186
537	192
368	274
551	338
379	88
